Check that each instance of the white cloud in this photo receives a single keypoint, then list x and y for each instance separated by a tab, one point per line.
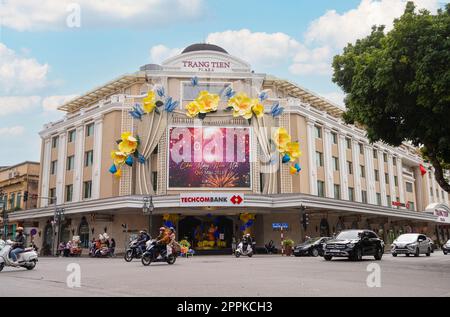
26	15
160	53
20	74
12	131
339	29
18	104
52	103
336	97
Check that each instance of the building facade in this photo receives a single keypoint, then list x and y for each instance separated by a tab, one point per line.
18	191
345	181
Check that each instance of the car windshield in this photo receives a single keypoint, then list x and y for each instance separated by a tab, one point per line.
349	235
407	238
311	240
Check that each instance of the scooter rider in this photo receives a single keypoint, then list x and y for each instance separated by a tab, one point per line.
19	244
162	240
142	239
246	241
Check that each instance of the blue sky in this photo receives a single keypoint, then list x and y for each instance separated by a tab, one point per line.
43	62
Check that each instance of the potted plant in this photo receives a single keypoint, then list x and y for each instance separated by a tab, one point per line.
288	245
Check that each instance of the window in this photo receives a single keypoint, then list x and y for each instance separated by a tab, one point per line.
389	200
83	232
351	194
442	195
385	157
319	159
377	176
411	206
337	191
375	153
12	200
386	178
320	189
69	193
437	193
18	200
394	161
88	158
190	92
395	180
71	136
55	142
350	168
349	143
361	148
155	181
70	163
53	167
335	164
431	191
409	187
90	130
362	171
364	196
378	199
52	195
318	132
334	137
87	189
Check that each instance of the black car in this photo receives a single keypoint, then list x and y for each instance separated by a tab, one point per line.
354	244
311	247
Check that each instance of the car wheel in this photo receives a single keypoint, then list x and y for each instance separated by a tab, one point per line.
328	257
2	265
445	253
357	255
407	254
394	255
417	253
429	252
379	254
314	252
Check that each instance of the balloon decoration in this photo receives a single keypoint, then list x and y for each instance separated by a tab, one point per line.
170	220
248	220
290	151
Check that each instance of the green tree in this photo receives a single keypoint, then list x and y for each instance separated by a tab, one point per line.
398	84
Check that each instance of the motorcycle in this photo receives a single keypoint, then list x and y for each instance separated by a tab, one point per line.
240	250
151	255
134	251
100	253
27	259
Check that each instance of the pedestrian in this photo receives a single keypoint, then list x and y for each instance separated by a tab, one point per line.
113	247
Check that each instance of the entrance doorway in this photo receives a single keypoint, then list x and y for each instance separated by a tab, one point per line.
207	234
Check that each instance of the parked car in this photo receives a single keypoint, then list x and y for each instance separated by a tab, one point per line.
311	247
446	248
432	244
354	244
411	243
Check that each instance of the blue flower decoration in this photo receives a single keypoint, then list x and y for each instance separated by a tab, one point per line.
194	81
129	161
160	91
113	169
298	167
229	92
171	105
141	159
276	110
286	159
263	96
137	112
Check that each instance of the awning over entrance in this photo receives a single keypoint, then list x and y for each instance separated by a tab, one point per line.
441	211
258	204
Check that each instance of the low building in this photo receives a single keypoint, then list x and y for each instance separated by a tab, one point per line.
345	181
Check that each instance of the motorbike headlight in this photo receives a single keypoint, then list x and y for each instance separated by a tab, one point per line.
350	245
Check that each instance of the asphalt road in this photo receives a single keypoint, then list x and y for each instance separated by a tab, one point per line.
225	276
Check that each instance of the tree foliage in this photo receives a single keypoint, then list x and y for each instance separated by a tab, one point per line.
398	84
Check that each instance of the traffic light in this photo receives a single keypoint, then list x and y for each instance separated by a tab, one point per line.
25	196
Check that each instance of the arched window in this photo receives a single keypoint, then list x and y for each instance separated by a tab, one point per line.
83	232
48	236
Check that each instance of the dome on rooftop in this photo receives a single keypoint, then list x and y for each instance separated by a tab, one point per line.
204	47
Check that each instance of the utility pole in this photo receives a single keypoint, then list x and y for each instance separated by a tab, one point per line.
4	215
148	209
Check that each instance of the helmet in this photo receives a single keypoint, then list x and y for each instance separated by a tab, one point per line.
20	229
172	229
247	235
162	229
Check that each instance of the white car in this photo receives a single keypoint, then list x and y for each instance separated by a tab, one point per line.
446	248
411	243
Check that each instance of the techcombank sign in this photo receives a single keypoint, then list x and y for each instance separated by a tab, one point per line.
211	200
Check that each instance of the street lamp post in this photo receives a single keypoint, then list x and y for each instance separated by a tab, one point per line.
148	209
57	219
5	219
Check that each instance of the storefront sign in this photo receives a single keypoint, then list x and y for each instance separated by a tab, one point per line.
211	200
280	225
209	158
399	204
205	65
443	215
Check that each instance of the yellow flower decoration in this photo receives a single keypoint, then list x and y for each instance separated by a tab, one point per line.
207	102
242	106
293	170
293	150
118	174
281	138
129	143
258	109
149	102
118	158
193	109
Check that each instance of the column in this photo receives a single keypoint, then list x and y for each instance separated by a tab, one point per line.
328	165
97	164
343	172
433	185
312	158
78	162
355	157
391	178
382	180
47	143
401	186
418	186
370	175
61	169
428	185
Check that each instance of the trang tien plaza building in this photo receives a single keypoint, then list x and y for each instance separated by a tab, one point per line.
215	174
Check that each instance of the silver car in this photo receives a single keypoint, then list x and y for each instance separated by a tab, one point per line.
411	243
